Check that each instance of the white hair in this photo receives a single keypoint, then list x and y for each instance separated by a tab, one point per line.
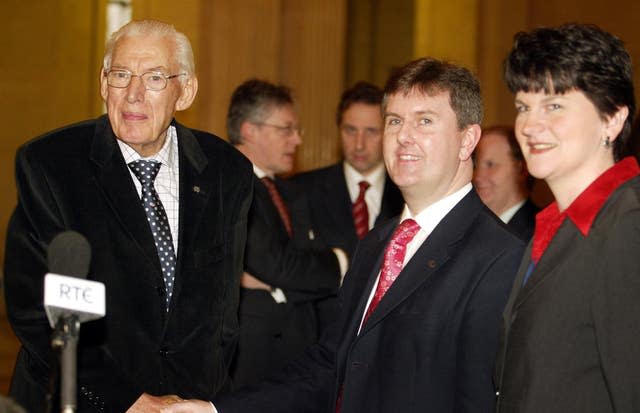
182	46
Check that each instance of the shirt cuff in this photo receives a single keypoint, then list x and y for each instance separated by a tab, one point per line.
343	262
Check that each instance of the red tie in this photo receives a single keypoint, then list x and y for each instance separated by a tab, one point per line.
391	267
361	212
393	261
279	203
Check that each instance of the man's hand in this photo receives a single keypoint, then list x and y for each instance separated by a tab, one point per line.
147	403
189	406
249	281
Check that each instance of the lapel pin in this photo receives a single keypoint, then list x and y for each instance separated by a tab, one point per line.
196	189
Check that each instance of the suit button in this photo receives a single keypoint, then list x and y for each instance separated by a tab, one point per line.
164	352
355	365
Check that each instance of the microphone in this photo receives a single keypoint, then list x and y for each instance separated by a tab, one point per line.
67	292
70	299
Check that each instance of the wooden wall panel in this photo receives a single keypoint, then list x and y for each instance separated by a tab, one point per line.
499	20
312	62
447	30
394	37
240	40
360	46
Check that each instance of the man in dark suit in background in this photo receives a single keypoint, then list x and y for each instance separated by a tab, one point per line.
359	182
501	178
425	341
163	322
281	281
347	199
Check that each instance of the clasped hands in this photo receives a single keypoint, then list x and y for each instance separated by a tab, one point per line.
147	403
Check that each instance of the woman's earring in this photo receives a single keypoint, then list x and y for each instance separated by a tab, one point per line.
607	143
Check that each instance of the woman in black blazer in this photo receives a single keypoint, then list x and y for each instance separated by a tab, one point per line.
571	325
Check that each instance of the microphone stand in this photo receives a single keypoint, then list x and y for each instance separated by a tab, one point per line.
65	340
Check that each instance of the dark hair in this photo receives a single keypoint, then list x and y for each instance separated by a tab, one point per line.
432	76
575	57
361	92
253	101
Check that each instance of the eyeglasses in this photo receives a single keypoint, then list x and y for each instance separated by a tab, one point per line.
287	131
121	78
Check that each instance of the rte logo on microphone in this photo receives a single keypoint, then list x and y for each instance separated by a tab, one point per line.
72	295
75	293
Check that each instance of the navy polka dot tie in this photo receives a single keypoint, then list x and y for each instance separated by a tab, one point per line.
146	172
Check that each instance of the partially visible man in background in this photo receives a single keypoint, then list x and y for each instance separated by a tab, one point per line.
172	295
281	280
346	199
500	176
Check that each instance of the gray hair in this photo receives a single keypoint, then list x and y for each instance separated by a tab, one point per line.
182	46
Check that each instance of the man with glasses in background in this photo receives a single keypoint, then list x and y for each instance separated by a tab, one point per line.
281	280
172	297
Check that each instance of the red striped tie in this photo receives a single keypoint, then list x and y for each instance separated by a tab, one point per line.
361	212
279	203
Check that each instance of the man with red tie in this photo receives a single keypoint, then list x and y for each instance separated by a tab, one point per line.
422	301
281	280
346	199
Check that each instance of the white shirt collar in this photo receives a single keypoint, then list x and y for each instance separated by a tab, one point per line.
509	213
260	173
431	216
375	178
166	155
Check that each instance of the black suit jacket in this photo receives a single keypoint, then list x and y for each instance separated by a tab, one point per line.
329	220
569	340
330	206
273	333
431	342
75	178
523	222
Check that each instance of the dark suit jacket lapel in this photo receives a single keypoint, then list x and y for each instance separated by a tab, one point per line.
195	191
434	252
113	178
369	256
337	202
392	202
556	252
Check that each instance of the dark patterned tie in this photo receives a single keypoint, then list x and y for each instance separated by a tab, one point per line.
279	203
361	212
146	172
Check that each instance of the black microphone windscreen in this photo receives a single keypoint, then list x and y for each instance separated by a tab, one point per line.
69	254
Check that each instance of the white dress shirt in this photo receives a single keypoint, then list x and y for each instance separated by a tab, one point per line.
166	182
373	196
428	219
509	213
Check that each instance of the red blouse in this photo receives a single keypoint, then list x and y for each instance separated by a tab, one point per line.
584	209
